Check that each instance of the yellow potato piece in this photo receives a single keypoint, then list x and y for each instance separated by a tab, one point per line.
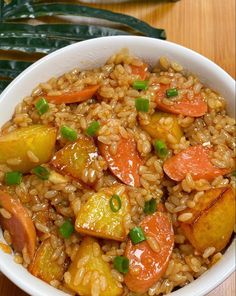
16	147
88	271
157	128
75	157
43	266
96	218
213	220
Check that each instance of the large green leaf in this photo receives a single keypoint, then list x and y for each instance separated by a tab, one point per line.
31	10
33	45
4	84
61	31
10	68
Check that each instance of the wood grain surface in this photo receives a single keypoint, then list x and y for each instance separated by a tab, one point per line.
206	26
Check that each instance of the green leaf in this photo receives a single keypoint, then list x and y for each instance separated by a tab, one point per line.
29	44
29	10
62	31
12	69
4	84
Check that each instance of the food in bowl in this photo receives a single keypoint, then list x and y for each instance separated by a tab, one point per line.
115	180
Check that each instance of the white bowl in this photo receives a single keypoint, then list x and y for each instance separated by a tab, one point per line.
90	54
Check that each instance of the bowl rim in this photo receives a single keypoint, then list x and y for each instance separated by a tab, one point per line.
200	287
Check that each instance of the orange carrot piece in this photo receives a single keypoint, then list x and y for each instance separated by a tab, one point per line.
74	97
147	266
125	163
194	160
142	71
193	108
19	225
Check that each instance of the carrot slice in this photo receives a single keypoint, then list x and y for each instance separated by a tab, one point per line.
147	266
193	108
19	224
125	163
142	71
74	97
194	160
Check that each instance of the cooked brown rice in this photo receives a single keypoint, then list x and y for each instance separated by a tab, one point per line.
61	196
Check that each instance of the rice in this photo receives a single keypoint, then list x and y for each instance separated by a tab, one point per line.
185	217
51	202
5	214
153	244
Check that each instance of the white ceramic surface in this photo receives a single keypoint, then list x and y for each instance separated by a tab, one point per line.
90	54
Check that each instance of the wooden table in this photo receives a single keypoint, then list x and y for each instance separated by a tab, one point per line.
206	26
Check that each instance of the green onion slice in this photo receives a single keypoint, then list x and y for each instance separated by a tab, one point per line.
140	84
171	92
42	106
115	203
68	133
93	128
161	148
142	105
121	264
234	174
136	235
41	172
150	206
13	178
66	229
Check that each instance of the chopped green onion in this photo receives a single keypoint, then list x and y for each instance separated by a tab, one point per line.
234	174
66	229
13	178
142	105
42	106
140	84
161	148
93	128
68	133
41	172
171	92
121	264
150	206
115	203
136	235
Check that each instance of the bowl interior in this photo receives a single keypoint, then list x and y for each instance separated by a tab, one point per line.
90	54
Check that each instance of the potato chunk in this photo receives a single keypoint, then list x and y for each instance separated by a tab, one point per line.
75	157
96	217
43	266
89	272
212	221
158	128
16	147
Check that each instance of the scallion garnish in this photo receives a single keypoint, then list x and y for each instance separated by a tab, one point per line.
13	178
41	172
161	148
142	105
140	84
93	128
68	133
66	229
150	206
42	106
115	203
234	174
121	264
171	92
136	235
